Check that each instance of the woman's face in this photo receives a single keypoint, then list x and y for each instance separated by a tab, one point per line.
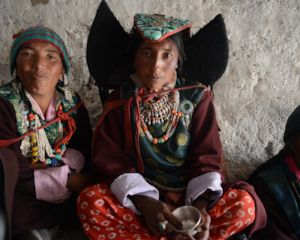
155	63
39	67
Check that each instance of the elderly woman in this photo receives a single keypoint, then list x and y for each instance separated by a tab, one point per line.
157	147
48	130
277	182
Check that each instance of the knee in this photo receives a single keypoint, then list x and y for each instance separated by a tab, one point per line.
92	195
243	203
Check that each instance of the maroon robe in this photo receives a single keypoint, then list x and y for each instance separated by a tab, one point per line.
110	159
24	211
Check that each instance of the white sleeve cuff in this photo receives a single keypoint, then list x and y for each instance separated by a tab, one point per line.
132	184
198	185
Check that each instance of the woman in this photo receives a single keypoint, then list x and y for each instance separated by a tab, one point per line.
277	184
157	147
45	124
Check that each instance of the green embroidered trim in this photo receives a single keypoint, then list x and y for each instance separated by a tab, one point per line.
15	94
165	163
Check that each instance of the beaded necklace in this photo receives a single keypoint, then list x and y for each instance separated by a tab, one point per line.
158	111
54	155
41	140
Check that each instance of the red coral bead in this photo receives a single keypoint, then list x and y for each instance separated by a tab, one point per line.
165	137
31	117
58	150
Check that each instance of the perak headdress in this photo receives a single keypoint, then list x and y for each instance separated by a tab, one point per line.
156	27
108	61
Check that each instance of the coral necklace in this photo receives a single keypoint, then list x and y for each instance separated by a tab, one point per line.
158	111
57	153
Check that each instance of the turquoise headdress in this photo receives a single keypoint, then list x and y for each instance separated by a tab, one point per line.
156	27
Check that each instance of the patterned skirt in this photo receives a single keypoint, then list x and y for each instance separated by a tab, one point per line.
102	216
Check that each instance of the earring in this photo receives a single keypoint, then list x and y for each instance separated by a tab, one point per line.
14	75
17	85
68	95
17	82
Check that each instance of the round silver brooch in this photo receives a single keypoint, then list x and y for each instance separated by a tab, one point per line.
24	109
186	107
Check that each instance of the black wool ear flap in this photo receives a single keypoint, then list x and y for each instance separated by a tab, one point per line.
109	64
106	50
207	53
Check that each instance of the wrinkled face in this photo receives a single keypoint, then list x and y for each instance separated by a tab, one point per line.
155	63
39	67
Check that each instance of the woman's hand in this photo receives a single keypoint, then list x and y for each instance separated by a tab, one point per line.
77	182
203	227
155	211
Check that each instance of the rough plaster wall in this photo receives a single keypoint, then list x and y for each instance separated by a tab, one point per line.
253	99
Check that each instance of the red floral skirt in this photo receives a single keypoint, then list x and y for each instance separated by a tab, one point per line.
102	216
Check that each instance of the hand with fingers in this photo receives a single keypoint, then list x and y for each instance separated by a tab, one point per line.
157	214
203	228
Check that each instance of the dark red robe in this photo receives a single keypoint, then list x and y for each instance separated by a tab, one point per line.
24	211
110	159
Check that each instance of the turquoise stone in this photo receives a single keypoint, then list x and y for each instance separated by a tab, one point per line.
155	26
152	35
58	156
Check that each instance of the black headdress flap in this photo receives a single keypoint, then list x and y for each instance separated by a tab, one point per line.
107	51
108	62
207	53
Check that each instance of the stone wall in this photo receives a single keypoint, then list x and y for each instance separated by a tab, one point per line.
254	97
